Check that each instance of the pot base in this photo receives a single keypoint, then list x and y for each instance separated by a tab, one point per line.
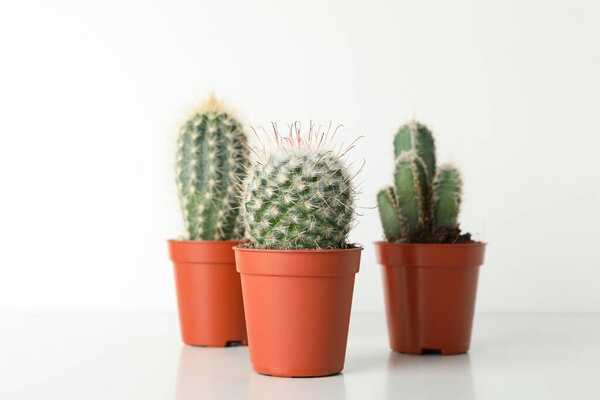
298	373
219	343
446	351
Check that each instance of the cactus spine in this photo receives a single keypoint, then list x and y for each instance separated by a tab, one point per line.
298	195
421	194
210	158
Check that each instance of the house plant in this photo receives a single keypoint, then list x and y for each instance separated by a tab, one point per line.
298	271
430	269
210	157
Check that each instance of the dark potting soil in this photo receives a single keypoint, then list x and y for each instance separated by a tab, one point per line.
428	233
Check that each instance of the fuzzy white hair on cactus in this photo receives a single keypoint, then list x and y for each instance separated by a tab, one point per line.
298	192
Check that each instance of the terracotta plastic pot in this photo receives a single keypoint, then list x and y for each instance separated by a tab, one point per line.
430	292
297	305
209	293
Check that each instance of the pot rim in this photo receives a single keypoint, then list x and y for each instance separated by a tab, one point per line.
187	241
474	244
288	251
427	255
299	263
202	251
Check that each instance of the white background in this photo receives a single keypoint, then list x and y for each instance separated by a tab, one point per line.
92	94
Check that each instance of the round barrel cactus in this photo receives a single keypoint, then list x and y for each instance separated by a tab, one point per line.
299	195
211	157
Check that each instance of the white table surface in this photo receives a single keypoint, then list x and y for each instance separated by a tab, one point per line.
139	356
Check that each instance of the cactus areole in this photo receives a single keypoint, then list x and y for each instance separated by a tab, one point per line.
299	194
211	157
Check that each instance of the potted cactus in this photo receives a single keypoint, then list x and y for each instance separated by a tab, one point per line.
210	157
430	269
298	270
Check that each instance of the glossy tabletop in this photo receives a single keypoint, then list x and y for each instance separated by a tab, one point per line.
139	356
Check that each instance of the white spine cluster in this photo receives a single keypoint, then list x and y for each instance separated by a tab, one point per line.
298	195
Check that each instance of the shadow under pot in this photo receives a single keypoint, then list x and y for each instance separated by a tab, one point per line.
297	305
209	293
430	292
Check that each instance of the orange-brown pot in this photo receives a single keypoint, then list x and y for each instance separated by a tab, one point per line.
430	292
209	293
297	305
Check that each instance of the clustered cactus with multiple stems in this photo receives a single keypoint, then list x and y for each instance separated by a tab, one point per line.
211	156
299	194
422	194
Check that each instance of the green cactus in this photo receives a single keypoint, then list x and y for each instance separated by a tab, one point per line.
421	194
394	224
298	196
411	185
211	156
416	136
446	201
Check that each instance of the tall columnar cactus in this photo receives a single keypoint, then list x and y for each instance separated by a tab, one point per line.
421	193
298	195
211	156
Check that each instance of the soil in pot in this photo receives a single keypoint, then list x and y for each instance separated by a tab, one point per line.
209	293
429	233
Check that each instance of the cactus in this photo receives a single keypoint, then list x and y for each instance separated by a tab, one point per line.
411	190
299	195
446	201
394	225
211	156
422	195
415	137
